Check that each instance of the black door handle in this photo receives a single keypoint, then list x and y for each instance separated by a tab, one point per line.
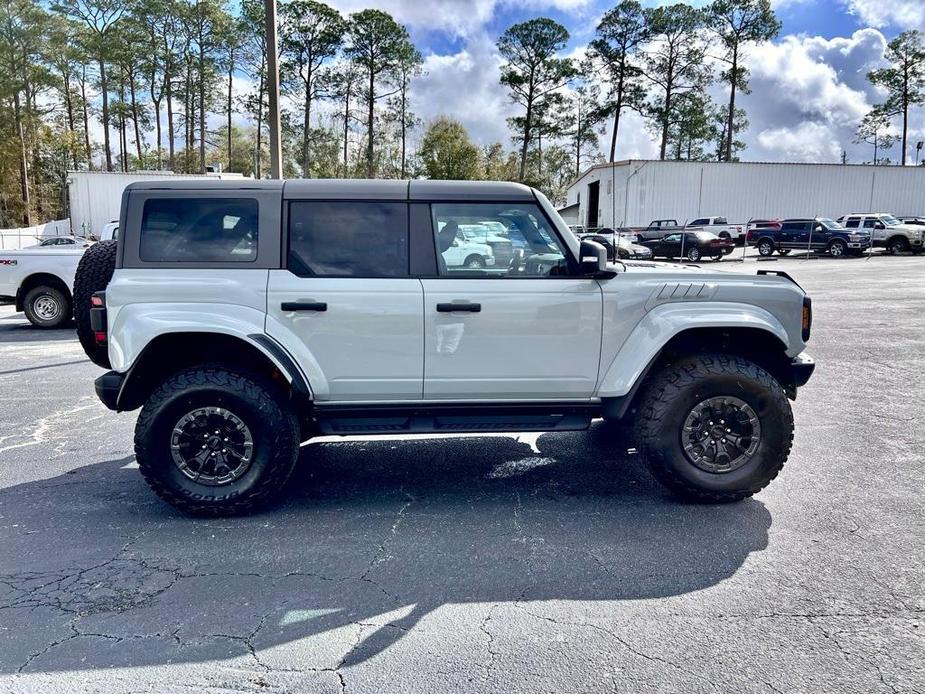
304	306
450	308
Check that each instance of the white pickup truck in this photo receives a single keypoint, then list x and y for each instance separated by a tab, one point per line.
40	280
659	228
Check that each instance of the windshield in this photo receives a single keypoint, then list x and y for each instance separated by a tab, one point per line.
889	220
830	224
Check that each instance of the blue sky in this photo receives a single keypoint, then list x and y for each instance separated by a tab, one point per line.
809	87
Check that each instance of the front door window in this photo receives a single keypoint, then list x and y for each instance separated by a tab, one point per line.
496	240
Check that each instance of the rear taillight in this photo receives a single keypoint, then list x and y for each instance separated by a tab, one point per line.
807	322
98	318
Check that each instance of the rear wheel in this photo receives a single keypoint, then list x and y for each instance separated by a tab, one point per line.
475	262
47	307
837	248
765	248
715	427
693	254
211	441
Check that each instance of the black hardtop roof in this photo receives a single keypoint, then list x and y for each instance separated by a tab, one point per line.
352	189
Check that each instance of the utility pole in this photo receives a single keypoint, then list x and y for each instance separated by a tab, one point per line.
276	164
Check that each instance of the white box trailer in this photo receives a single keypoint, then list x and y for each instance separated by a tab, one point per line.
634	192
94	197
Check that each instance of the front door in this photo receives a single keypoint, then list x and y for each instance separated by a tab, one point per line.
345	306
528	330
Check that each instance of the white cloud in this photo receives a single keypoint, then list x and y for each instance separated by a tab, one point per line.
806	141
808	95
454	17
465	86
907	14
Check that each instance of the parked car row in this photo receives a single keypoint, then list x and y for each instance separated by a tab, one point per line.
849	234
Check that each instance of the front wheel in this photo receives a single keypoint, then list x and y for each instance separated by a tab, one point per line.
475	262
47	307
838	248
715	428
215	442
898	246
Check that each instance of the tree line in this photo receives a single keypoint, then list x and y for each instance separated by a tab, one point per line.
123	85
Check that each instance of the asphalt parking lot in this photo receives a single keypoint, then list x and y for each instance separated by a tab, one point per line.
548	563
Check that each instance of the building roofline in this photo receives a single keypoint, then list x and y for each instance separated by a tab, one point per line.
627	162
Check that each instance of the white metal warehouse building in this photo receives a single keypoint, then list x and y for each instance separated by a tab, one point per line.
740	191
94	197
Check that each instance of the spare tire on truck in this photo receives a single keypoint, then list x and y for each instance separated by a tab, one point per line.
93	275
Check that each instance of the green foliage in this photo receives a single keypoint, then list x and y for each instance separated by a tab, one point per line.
874	130
447	153
613	58
312	34
375	44
674	64
903	81
738	23
535	76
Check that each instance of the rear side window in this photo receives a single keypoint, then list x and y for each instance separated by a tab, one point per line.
348	239
199	230
852	223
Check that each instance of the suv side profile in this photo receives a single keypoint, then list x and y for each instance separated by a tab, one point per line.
244	318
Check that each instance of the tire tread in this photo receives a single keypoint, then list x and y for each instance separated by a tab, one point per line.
668	385
283	438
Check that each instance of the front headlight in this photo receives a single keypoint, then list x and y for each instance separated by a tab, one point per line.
855	237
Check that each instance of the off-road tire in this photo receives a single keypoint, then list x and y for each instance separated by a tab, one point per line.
51	296
765	248
94	271
671	394
261	407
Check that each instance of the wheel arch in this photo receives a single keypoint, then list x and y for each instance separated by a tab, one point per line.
901	237
41	279
761	339
170	352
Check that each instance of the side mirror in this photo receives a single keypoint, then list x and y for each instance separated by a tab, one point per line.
818	227
593	259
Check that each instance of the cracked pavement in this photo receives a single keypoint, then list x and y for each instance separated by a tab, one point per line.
503	563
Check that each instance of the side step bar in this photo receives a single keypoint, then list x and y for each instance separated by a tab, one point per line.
452	419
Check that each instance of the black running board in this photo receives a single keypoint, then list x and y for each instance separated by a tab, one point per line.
452	419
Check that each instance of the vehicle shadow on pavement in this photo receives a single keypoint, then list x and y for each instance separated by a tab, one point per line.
26	332
375	536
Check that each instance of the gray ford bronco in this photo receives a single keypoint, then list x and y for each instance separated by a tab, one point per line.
244	318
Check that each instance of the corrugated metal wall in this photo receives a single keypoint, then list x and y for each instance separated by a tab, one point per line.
647	190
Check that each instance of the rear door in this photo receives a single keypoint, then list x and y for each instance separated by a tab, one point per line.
526	331
345	303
